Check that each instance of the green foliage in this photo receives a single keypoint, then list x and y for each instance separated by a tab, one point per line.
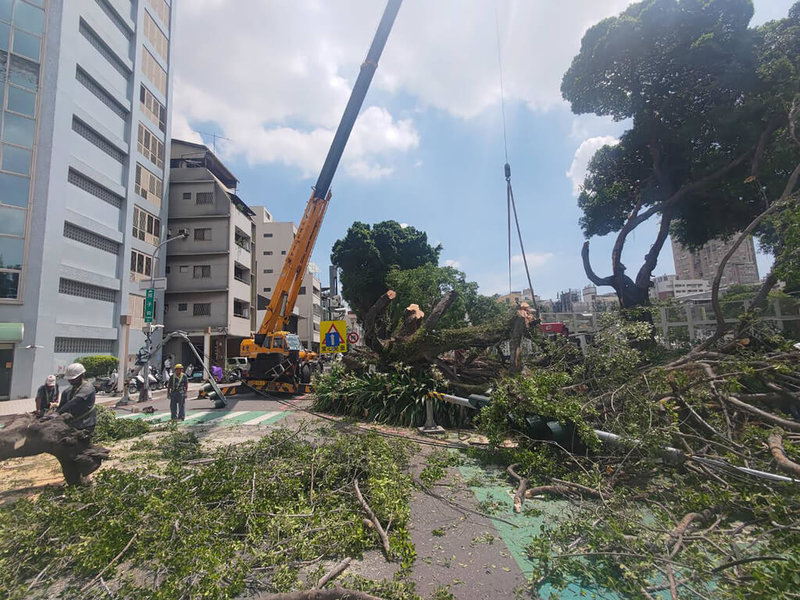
98	365
367	254
436	465
426	285
179	446
110	428
395	397
247	521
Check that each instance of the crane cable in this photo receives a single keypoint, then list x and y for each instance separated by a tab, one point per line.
510	204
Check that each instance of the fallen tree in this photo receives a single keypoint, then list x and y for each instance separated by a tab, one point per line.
26	435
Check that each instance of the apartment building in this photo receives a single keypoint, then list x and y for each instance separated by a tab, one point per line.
704	262
272	242
209	275
86	88
669	286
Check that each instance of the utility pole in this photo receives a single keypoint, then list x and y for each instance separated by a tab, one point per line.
149	314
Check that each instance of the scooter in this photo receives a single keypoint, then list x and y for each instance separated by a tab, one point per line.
106	384
155	381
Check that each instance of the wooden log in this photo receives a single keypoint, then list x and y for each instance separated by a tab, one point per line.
371	338
440	309
28	436
412	321
776	447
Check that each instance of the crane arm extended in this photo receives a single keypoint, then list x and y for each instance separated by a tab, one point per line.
284	295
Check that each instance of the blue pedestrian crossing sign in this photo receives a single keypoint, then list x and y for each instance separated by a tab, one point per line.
333	338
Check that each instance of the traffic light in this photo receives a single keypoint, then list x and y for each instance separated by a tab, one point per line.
208	391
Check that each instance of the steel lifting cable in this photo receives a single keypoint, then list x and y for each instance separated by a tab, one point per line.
510	204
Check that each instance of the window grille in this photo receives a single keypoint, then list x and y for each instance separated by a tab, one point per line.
154	110
201	310
202	234
73	232
95	189
202	271
187	195
182	307
154	72
85	290
150	146
204	198
86	132
103	49
155	36
101	94
84	345
146	227
267	235
115	18
148	185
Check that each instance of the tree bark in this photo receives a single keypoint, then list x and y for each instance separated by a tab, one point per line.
776	447
371	338
28	436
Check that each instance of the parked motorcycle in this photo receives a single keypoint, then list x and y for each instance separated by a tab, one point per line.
106	384
155	381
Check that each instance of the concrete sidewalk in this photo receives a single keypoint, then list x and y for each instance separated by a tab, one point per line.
27	405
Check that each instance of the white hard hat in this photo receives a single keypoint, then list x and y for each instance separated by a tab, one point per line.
51	380
74	371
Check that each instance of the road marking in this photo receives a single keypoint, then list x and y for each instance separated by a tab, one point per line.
197	415
263	417
234	413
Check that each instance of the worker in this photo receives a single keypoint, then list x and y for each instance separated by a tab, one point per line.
46	396
78	399
177	387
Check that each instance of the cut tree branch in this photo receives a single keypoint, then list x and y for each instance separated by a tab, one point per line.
776	447
378	527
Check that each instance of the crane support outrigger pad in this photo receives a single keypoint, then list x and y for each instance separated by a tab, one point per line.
278	361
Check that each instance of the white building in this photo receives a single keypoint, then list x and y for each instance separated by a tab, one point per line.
669	286
86	92
272	242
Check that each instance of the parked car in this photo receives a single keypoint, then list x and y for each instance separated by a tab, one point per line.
238	365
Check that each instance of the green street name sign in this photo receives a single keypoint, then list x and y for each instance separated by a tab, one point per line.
149	305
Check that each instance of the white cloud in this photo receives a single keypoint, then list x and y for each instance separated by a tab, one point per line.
452	263
278	85
584	153
535	259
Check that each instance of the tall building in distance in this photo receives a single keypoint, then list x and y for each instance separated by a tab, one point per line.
703	263
85	88
209	275
272	242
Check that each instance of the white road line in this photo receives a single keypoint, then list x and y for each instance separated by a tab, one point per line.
234	413
155	416
197	415
258	420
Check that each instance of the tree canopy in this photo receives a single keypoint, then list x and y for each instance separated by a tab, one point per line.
367	254
709	101
426	285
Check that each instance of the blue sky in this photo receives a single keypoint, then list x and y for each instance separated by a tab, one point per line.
273	77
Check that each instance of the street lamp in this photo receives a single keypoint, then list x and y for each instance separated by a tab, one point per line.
144	395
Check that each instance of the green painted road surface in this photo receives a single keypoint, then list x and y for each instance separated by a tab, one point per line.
223	418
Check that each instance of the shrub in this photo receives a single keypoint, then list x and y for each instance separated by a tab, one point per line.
110	428
98	365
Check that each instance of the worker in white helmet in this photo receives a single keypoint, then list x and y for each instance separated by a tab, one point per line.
78	400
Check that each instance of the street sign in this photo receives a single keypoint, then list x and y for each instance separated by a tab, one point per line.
159	283
149	305
333	337
352	337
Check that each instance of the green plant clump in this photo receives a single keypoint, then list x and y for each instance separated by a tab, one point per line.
396	397
98	365
251	520
110	428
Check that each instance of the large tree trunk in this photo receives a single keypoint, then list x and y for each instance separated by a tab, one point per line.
28	436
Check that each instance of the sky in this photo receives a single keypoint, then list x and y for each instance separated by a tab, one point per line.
264	83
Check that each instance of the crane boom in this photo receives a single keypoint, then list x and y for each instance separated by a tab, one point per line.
287	288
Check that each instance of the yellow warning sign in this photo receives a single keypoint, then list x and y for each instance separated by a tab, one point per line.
333	337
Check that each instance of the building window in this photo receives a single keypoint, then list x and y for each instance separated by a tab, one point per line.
267	270
201	310
148	186
146	227
187	195
155	36
84	236
167	270
283	252
153	71
182	306
90	186
202	271
204	198
85	290
268	289
161	8
151	147
302	290
202	234
267	235
183	269
141	265
267	252
241	309
74	346
151	107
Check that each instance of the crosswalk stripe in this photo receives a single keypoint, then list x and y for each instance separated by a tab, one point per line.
197	415
263	417
234	413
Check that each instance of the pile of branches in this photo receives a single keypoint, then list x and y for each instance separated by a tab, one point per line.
262	518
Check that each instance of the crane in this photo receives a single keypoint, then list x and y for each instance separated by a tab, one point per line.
277	360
